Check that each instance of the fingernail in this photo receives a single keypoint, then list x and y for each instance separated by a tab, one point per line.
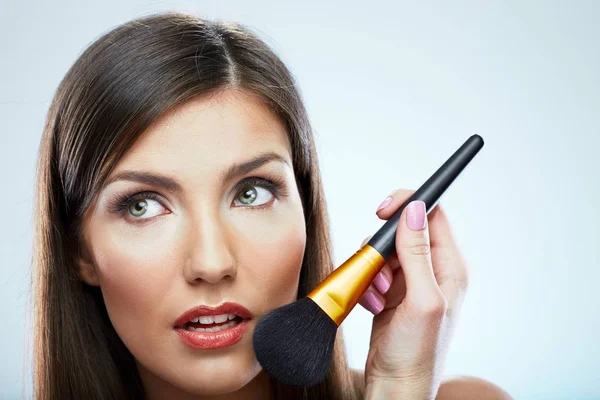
384	203
381	282
415	217
373	303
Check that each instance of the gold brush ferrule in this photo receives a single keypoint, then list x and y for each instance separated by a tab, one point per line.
341	290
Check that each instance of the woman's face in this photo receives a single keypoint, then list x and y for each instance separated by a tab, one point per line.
197	235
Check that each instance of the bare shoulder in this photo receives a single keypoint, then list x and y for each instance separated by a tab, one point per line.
470	388
453	388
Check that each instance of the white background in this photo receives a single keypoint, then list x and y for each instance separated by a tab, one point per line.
392	89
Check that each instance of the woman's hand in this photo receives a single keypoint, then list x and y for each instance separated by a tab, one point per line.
416	299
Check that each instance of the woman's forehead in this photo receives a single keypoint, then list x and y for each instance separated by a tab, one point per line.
218	129
198	143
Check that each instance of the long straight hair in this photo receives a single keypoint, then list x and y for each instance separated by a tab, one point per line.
117	87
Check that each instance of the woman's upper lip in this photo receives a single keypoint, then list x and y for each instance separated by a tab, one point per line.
202	310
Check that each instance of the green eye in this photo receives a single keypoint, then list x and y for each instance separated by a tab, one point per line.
138	208
254	196
248	196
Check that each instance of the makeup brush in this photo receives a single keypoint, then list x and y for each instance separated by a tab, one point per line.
294	343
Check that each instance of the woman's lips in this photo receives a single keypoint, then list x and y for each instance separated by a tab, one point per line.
201	311
213	340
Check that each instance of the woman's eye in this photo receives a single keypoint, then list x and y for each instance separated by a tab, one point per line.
140	208
255	195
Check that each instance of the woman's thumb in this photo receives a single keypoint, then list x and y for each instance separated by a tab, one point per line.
414	253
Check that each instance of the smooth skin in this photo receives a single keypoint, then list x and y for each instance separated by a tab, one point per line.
418	309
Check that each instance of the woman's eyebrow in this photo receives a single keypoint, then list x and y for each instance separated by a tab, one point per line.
174	186
243	168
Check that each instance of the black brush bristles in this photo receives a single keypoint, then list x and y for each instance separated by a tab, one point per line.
294	343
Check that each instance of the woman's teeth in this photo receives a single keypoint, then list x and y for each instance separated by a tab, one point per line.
213	319
225	320
214	328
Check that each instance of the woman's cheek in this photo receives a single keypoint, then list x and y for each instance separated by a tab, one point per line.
274	252
135	277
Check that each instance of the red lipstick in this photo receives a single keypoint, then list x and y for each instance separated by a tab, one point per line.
194	326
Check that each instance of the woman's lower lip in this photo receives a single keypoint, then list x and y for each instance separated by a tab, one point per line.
213	340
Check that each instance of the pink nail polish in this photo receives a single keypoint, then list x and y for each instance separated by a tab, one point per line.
415	217
381	283
384	203
373	303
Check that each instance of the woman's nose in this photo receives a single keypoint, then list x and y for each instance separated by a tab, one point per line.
210	258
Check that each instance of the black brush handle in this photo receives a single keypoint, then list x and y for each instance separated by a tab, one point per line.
430	192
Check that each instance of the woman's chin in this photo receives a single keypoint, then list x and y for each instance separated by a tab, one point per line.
221	381
204	377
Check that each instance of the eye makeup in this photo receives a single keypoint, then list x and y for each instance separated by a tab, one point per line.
120	203
275	185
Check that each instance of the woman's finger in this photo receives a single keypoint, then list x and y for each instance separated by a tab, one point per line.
397	292
372	300
391	203
414	253
383	280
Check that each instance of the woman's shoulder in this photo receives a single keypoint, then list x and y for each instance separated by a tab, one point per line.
454	388
470	387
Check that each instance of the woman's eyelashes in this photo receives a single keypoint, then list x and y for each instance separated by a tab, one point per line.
135	205
249	197
252	193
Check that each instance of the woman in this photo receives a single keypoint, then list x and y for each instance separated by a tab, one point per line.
177	169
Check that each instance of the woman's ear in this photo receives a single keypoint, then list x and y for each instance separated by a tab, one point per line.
86	267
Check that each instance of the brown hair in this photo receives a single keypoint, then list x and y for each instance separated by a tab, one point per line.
117	87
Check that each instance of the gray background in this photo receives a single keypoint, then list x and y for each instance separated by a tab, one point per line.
392	88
